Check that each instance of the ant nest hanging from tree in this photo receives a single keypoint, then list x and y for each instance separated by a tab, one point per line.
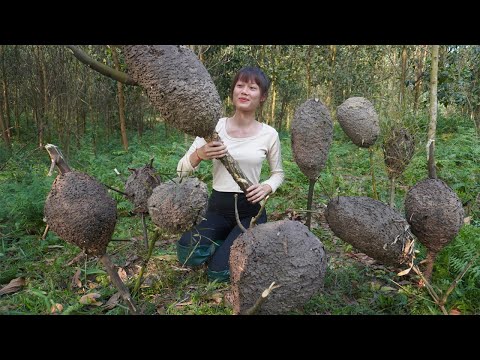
179	204
139	186
435	213
359	121
80	211
371	227
398	149
174	79
312	134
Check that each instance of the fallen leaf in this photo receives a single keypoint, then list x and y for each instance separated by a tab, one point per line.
113	301
216	297
387	289
56	308
90	299
455	312
92	285
404	272
13	286
467	220
122	274
166	257
184	303
76	279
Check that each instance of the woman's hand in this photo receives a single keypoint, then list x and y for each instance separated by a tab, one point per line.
257	192
212	150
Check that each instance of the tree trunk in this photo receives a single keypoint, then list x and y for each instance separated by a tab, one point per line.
433	112
279	120
308	66
274	98
16	113
403	79
331	85
121	103
421	54
5	136
7	119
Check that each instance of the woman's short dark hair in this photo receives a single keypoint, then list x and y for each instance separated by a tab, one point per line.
254	74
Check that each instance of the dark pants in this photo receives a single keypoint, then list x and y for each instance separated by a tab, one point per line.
210	241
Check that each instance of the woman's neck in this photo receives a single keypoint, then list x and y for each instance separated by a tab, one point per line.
243	119
242	125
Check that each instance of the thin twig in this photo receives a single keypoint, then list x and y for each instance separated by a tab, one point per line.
254	220
431	291
410	292
145	234
120	192
372	173
240	225
155	237
443	300
45	232
76	258
311	187
261	299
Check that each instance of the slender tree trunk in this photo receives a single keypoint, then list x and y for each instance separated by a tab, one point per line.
16	113
308	66
121	103
38	98
403	79
433	111
3	129
331	85
7	119
274	98
43	69
282	114
289	118
418	76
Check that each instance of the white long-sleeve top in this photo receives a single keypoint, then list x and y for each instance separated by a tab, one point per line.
249	153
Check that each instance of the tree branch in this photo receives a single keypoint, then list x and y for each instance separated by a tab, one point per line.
258	304
101	68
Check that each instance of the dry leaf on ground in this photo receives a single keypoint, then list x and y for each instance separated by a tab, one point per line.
90	299
13	286
113	301
76	279
56	308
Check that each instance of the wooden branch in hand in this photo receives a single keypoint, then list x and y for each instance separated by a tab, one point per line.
232	167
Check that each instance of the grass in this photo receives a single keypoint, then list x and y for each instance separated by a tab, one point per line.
353	284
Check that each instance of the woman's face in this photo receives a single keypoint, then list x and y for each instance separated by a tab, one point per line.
246	95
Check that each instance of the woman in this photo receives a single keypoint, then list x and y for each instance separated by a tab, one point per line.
249	142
